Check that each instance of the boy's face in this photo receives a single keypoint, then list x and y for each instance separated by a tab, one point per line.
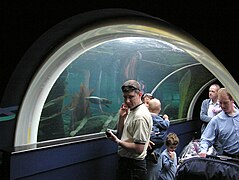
172	148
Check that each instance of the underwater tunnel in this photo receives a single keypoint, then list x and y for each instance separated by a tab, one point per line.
76	87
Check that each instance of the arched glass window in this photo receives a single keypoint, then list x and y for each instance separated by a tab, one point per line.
77	92
86	96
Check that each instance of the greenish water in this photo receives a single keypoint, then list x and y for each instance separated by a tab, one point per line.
86	97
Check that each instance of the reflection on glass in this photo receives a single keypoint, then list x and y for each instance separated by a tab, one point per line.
86	97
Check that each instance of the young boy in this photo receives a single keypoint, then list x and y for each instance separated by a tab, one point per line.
168	158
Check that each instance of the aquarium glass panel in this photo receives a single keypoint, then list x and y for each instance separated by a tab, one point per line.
86	97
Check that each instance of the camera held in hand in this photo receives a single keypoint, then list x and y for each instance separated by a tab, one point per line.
108	133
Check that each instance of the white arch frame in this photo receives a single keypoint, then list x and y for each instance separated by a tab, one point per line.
39	88
172	73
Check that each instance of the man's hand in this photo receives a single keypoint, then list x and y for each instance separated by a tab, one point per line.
151	144
112	136
123	111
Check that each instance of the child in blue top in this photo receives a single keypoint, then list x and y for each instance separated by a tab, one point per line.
168	158
160	125
157	136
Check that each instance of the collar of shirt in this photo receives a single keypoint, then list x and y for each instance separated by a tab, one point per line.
211	103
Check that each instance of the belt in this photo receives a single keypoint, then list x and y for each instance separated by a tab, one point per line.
231	155
131	159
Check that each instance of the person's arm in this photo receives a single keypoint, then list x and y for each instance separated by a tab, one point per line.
163	123
120	126
203	113
138	148
141	130
167	162
123	112
131	146
208	137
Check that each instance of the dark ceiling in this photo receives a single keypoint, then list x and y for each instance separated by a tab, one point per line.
214	24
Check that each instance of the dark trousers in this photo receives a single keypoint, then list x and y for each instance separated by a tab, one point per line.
131	169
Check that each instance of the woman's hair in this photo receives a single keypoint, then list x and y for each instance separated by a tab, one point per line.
148	95
172	139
